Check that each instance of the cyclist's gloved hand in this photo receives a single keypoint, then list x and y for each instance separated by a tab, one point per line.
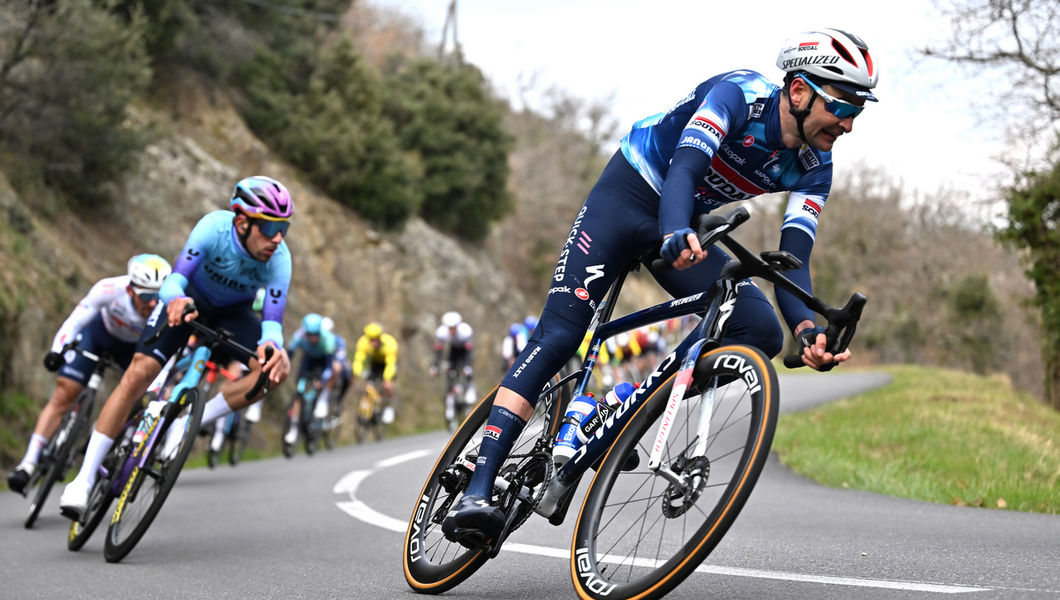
673	246
53	361
808	337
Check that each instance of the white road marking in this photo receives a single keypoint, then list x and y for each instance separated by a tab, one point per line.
357	509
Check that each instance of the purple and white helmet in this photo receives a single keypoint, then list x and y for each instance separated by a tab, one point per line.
262	197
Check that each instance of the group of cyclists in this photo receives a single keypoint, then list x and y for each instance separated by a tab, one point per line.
736	135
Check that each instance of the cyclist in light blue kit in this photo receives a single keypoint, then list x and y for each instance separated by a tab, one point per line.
323	351
227	257
733	137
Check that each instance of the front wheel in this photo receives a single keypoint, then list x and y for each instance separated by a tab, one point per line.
61	455
150	484
432	563
638	534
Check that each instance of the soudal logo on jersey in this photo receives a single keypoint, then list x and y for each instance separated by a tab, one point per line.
803	61
812	207
808	158
709	126
728	182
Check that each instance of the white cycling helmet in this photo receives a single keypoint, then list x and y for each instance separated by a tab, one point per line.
832	56
451	319
147	271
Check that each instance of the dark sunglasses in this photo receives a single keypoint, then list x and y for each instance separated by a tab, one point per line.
271	228
145	296
840	108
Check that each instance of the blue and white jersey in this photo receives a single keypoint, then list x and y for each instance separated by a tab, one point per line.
226	274
733	119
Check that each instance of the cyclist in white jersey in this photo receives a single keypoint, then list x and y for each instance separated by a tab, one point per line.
110	318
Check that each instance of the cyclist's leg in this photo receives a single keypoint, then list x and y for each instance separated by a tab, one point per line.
602	241
143	367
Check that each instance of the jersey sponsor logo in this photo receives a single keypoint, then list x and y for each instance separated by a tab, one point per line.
709	126
582	293
559	289
225	280
808	158
693	141
731	155
803	61
526	362
561	264
731	183
756	110
584	241
812	207
595	272
749	141
492	432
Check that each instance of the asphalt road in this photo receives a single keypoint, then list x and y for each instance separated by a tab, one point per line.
332	525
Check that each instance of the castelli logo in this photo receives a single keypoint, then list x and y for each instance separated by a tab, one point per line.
748	141
582	293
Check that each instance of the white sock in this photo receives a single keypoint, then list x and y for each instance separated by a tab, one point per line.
253	412
98	447
218	434
36	444
215	408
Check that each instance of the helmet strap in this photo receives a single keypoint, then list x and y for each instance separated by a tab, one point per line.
244	234
801	114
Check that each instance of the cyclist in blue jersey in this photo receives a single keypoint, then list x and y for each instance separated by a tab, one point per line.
226	258
321	352
733	137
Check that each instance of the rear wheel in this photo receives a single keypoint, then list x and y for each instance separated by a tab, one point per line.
639	534
65	447
432	563
148	486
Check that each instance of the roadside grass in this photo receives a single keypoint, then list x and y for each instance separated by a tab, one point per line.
935	435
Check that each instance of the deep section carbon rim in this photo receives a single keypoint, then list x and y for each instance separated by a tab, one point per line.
639	534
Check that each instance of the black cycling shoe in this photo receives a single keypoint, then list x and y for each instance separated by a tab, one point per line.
17	480
473	522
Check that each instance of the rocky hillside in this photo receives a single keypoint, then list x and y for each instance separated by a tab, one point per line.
342	267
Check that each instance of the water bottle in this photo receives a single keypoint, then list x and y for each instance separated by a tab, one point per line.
154	408
567	438
612	400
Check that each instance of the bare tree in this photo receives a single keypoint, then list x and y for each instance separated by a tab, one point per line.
1015	46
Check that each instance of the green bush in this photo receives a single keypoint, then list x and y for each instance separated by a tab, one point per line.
445	115
70	71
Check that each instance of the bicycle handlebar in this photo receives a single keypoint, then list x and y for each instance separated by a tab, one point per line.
842	322
221	337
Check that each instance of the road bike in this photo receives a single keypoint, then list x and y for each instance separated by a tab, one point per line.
455	399
143	466
370	413
236	433
310	426
68	443
235	426
674	463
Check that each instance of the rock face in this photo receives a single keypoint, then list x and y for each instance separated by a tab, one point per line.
342	267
